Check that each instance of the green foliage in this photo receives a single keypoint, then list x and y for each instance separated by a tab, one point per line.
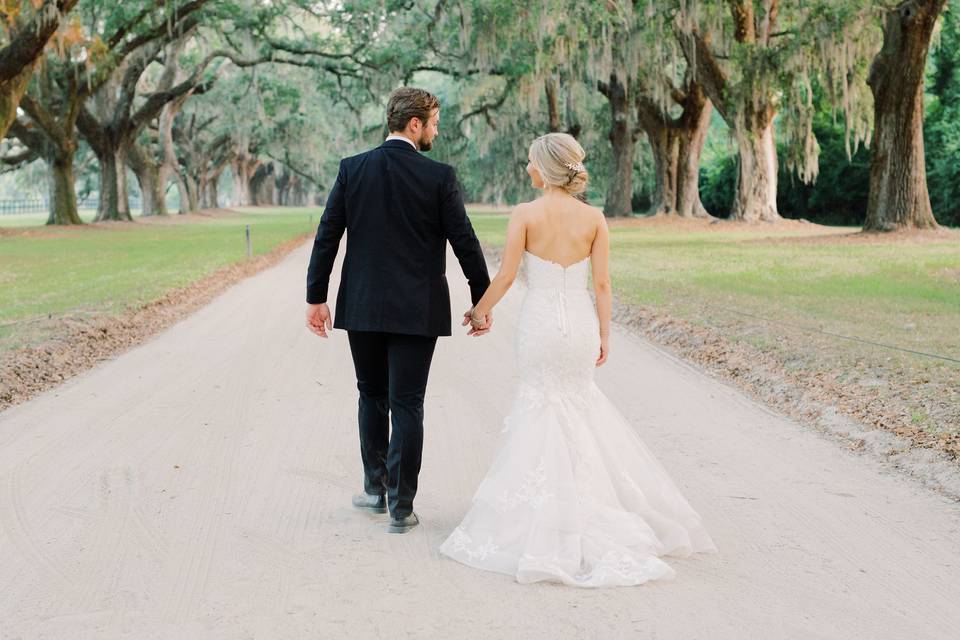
322	96
718	180
942	123
839	195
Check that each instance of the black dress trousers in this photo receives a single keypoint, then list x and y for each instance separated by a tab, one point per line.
392	371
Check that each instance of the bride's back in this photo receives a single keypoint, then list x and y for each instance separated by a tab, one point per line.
561	229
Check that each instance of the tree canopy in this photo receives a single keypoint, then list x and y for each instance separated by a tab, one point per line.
748	109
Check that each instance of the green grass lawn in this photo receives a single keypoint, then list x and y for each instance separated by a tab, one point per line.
78	271
905	294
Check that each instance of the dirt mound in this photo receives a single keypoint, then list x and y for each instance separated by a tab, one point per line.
57	231
662	221
187	218
907	236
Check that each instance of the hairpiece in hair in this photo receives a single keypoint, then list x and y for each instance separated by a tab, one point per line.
575	166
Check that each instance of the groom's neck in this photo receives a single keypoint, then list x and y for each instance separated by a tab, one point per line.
405	136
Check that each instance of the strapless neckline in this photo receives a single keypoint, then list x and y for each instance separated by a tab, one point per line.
557	263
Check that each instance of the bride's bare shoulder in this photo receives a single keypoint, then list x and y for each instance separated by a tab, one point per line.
586	206
524	209
595	213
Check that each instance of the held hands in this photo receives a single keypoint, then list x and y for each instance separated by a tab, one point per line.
478	325
318	319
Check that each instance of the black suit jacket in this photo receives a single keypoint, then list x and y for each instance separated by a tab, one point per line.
399	209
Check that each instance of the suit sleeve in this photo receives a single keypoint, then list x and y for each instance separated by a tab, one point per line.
327	241
460	234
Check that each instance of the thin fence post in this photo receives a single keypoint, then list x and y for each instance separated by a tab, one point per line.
249	246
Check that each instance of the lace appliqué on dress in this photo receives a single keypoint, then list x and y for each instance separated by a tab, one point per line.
460	541
533	491
623	565
533	397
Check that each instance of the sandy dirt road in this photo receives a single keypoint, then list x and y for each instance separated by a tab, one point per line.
198	486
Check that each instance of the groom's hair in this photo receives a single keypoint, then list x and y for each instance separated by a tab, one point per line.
408	102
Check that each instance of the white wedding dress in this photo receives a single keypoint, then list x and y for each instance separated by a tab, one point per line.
573	495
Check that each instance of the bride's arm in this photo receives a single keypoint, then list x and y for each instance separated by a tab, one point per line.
509	263
600	263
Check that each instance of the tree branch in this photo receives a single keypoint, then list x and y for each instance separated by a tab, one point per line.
27	136
41	117
17	159
485	108
157	100
706	69
32	37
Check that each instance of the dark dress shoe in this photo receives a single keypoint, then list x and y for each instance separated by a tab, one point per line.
367	502
402	525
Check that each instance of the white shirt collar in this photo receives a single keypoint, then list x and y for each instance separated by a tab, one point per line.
404	138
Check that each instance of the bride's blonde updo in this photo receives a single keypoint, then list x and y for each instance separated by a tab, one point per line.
559	159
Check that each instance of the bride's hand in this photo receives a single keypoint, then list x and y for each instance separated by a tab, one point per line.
477	329
604	350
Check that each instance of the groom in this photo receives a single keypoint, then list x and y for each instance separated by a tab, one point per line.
399	209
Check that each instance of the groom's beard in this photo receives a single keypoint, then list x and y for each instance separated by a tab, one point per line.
425	145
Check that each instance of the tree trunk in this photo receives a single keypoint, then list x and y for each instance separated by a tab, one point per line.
665	146
553	108
164	172
898	177
263	186
171	164
694	123
574	128
284	183
123	194
109	207
295	192
241	184
202	190
63	194
152	194
302	194
756	195
184	193
193	193
210	195
750	117
243	168
153	200
676	145
623	139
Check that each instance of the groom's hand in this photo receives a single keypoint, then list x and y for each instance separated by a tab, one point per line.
318	319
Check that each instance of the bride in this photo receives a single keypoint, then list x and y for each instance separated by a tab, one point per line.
573	495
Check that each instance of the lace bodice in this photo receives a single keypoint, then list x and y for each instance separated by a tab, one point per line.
546	274
558	337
